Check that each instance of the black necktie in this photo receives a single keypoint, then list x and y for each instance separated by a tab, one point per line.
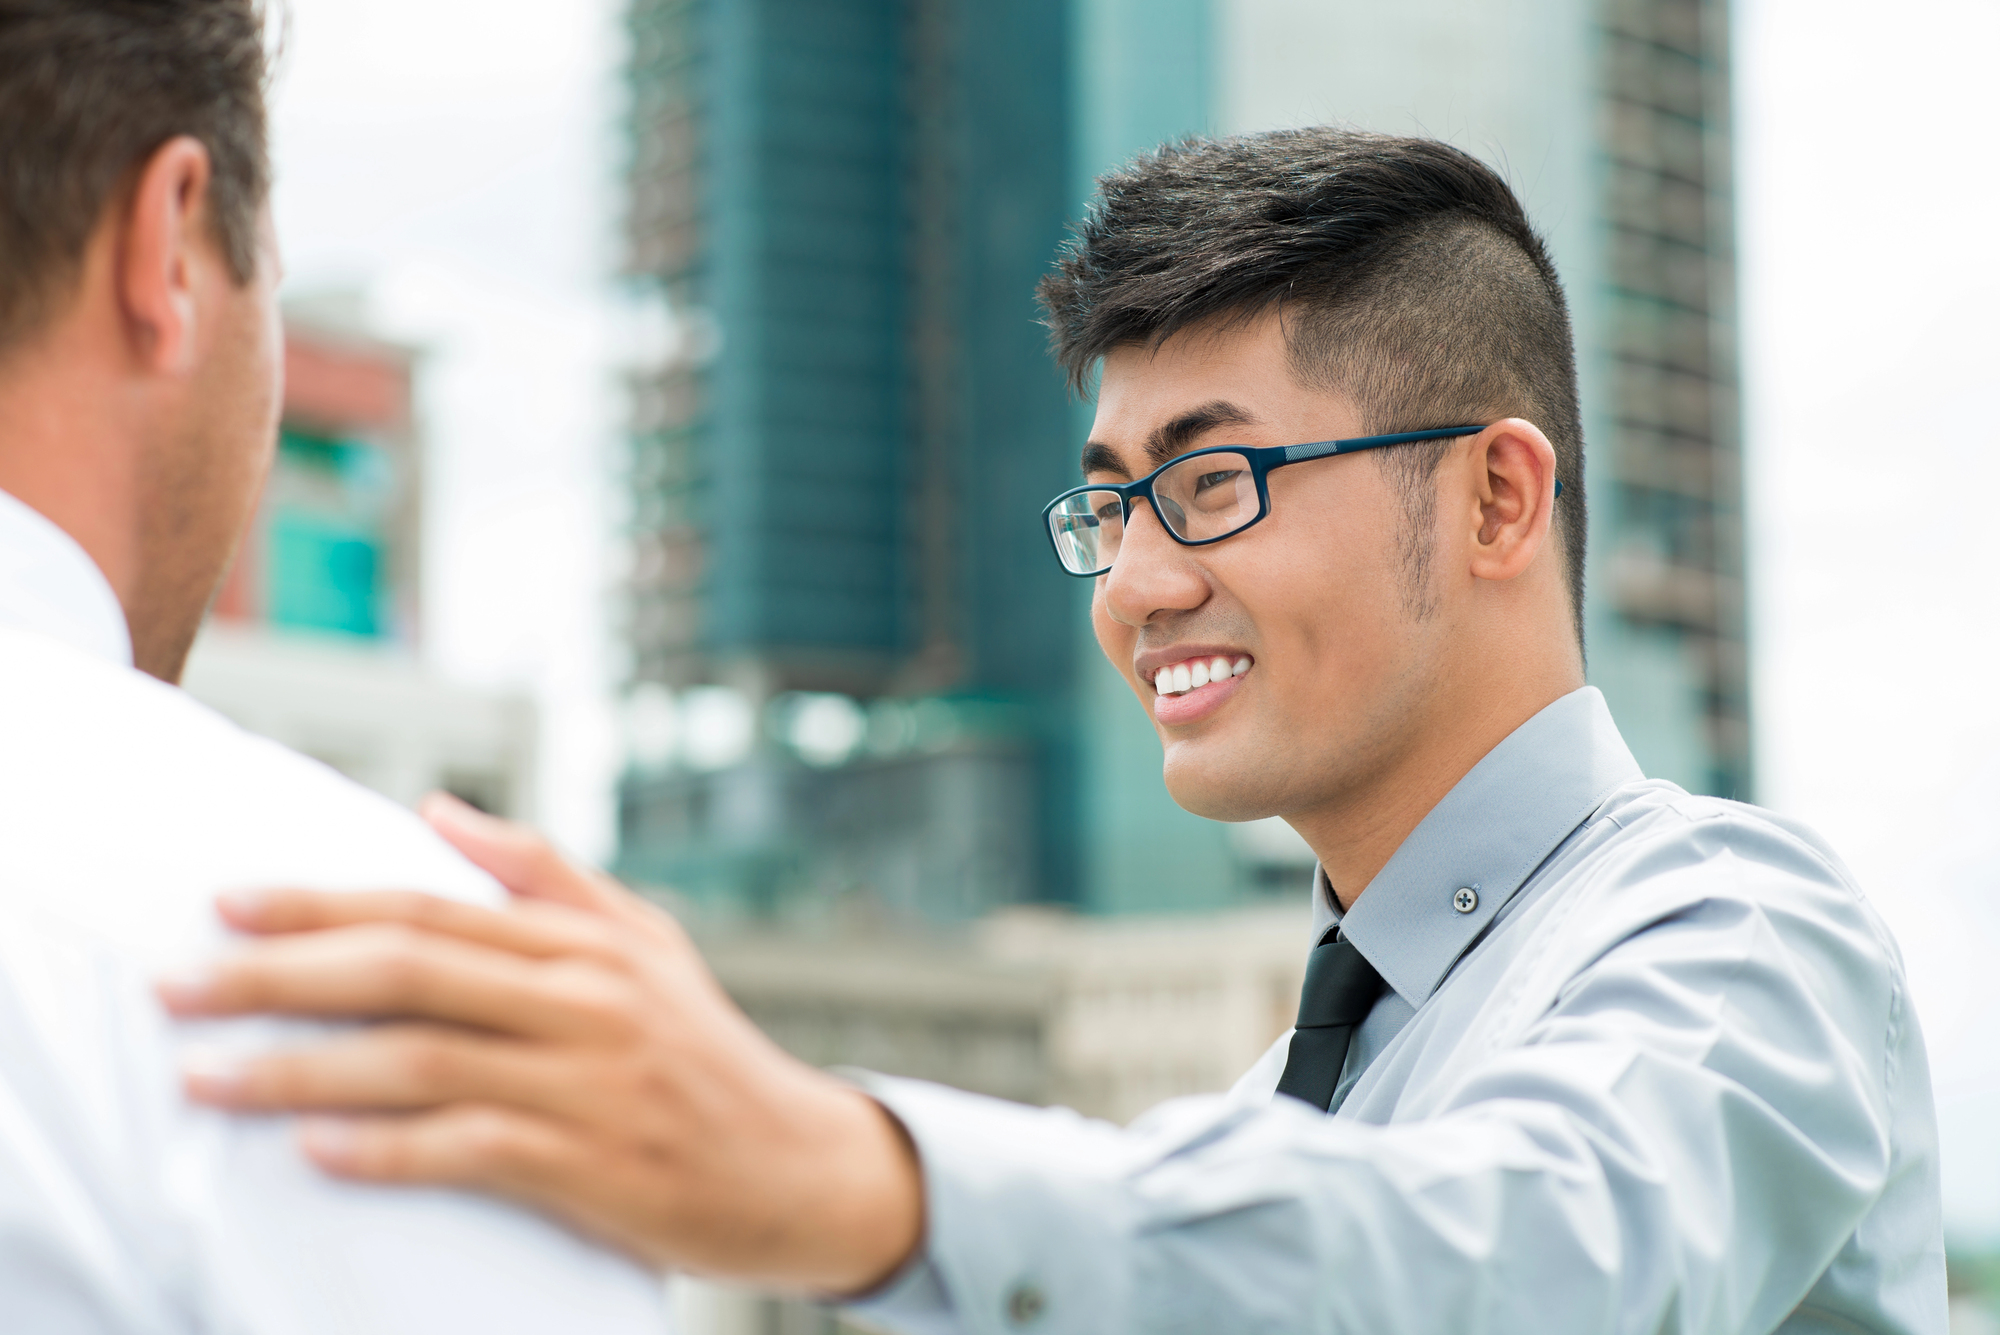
1341	987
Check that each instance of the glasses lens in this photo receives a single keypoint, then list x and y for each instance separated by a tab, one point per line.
1207	496
1087	527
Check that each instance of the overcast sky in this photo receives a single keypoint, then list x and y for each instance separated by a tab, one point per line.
1872	355
453	162
469	196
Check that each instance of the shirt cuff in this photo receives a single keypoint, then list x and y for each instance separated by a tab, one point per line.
912	1303
1028	1218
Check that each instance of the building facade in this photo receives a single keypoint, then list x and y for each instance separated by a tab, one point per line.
837	476
847	204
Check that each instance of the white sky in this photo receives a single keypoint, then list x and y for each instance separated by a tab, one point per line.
455	161
1870	280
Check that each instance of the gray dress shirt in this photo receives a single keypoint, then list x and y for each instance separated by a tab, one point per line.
1646	1062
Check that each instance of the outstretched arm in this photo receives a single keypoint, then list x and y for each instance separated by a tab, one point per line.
1683	1140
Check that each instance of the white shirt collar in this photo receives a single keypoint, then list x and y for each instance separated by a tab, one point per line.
49	585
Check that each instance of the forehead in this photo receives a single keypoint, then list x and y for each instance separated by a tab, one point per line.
1240	365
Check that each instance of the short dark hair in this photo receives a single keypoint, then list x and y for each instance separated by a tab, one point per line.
1406	271
88	90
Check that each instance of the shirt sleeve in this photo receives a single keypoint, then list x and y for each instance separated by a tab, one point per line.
1681	1141
126	1210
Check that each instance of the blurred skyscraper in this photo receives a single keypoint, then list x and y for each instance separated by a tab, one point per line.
858	675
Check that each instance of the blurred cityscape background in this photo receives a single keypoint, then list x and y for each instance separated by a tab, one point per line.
668	424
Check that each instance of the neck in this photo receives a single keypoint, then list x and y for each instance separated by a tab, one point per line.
1356	832
64	446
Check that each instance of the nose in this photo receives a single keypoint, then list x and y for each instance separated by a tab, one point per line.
1153	575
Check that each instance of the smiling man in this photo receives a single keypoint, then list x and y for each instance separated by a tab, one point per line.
1576	1052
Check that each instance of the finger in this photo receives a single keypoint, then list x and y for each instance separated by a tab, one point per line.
531	928
524	862
513	854
383	1069
467	1145
525	1158
380	970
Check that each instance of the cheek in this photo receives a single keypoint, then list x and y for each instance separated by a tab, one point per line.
1328	613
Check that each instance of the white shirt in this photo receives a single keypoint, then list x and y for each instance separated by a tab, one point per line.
1644	1062
125	807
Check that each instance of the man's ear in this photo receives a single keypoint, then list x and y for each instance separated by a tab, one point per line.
1514	471
165	246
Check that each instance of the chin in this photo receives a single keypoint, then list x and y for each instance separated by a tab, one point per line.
1217	786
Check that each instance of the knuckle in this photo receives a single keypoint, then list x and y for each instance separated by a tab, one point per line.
609	944
598	997
302	909
543	862
409	906
518	839
273	1080
381	1149
242	983
487	1137
577	932
422	1065
398	968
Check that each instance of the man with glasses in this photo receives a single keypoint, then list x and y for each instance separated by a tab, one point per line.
1576	1051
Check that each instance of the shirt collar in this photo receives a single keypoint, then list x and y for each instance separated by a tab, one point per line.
1489	834
49	585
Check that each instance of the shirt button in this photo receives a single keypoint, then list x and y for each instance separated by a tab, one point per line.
1025	1304
1466	900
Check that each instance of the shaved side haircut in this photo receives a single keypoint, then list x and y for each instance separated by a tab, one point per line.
88	90
1405	272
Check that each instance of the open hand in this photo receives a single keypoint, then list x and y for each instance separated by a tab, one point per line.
572	1052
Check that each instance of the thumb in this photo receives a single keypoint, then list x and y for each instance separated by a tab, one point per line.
517	857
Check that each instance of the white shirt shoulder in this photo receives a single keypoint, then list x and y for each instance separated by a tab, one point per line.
125	807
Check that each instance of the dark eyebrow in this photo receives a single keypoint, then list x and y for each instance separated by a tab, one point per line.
1170	438
1100	459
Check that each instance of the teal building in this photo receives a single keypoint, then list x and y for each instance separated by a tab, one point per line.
836	477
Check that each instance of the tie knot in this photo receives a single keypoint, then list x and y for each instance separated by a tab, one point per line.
1341	986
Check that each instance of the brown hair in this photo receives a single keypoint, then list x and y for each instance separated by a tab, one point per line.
1406	272
88	90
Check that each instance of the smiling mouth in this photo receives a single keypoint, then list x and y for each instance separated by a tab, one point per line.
1196	673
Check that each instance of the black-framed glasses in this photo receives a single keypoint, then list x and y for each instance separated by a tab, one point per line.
1200	497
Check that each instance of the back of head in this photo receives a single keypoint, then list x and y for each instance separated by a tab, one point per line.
1406	271
88	89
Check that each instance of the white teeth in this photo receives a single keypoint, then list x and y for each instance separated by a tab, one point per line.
1196	673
